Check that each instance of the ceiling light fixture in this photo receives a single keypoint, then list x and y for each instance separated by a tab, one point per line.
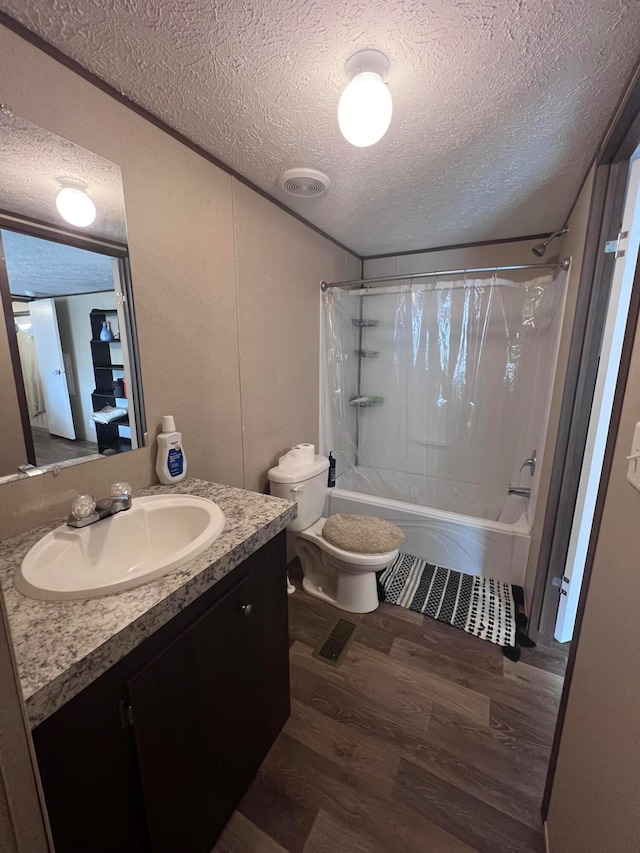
74	204
365	108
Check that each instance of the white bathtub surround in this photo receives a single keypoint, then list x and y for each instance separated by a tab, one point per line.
475	546
465	371
419	490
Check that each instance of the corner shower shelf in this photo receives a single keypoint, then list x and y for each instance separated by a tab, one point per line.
365	322
365	402
367	353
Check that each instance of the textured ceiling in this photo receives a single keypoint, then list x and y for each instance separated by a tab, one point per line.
41	268
31	161
498	104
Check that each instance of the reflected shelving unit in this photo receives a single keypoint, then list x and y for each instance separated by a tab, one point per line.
108	367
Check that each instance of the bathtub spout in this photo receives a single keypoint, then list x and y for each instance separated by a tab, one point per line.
521	491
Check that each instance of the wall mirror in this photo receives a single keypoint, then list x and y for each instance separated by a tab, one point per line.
70	388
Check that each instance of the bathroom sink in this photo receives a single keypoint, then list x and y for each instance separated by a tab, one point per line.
158	534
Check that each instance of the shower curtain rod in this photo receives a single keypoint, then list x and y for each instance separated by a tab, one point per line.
325	285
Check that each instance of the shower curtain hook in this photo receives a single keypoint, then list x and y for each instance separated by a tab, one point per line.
495	276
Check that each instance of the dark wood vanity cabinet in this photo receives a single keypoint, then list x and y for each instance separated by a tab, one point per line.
156	754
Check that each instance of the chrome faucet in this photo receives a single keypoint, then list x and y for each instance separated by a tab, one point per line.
521	491
85	510
525	491
530	463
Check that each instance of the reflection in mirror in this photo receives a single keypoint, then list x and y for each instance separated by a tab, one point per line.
69	370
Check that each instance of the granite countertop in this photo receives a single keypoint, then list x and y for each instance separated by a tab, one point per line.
62	646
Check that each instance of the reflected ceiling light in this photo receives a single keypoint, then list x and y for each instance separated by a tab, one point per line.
74	204
365	108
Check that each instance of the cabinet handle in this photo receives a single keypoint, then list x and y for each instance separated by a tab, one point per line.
246	609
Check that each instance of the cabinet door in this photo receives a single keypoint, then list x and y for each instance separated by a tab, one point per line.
204	715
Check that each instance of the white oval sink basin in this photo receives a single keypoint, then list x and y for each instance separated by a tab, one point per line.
158	534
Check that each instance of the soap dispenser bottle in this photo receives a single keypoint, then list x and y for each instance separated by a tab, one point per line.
332	470
171	464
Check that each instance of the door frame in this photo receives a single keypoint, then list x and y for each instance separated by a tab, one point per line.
615	324
625	360
14	353
605	218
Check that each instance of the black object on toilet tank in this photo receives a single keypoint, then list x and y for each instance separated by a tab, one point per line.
332	470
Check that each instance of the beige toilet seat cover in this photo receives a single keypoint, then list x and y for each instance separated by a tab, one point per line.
362	534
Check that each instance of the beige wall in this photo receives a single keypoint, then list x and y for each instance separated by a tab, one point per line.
595	802
215	267
573	247
279	266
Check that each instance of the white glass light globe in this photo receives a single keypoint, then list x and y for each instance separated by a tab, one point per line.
365	108
75	206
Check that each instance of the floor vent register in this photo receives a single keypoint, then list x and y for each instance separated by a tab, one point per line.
335	646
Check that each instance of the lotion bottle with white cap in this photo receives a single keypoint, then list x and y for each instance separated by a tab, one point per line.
171	464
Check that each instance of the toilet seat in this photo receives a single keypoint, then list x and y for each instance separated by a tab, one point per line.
365	561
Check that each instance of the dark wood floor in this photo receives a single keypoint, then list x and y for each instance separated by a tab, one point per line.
425	739
51	449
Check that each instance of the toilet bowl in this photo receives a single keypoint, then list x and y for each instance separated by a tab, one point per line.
345	579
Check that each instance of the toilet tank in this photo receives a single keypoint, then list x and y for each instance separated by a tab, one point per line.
304	484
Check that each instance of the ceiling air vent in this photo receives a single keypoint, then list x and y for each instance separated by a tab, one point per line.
304	183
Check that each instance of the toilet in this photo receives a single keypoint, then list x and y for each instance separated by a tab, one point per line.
345	579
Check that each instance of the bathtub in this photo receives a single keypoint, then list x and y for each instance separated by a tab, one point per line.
489	549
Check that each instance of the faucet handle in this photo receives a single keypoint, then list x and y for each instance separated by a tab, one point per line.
82	506
530	463
119	489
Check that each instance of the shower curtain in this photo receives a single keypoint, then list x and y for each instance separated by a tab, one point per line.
32	381
434	391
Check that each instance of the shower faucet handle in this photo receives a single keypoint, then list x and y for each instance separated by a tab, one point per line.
530	463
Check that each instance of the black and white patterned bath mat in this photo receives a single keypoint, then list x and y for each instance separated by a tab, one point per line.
485	608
